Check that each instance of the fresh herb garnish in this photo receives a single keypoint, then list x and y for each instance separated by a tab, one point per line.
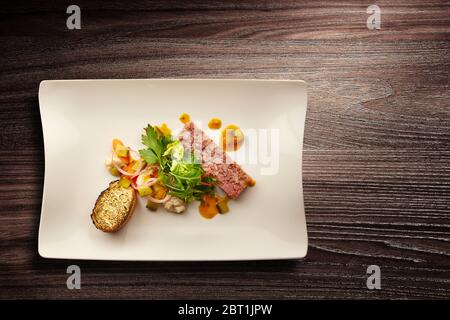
179	171
156	144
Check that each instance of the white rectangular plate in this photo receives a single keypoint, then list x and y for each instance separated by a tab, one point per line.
81	117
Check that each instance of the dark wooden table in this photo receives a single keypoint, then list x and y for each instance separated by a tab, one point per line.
377	141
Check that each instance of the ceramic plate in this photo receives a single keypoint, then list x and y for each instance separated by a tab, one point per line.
81	117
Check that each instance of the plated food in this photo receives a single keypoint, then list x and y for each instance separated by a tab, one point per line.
172	172
80	118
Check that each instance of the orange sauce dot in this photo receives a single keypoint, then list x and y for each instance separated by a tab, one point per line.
215	123
185	118
208	207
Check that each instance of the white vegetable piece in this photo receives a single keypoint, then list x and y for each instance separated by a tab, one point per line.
175	204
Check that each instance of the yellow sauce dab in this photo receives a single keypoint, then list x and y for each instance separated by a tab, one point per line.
185	118
215	123
164	129
208	207
231	138
251	182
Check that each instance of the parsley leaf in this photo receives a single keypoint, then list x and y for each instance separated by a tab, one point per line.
150	139
149	156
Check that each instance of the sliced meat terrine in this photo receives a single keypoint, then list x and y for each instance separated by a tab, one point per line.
216	163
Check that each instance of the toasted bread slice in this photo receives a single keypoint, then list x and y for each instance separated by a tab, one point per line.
114	207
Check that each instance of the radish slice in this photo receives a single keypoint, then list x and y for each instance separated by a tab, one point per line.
133	184
139	174
147	183
125	173
144	176
167	197
138	156
150	182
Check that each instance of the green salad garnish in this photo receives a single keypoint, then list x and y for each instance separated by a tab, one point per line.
179	171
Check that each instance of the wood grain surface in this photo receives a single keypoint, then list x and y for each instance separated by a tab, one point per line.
377	142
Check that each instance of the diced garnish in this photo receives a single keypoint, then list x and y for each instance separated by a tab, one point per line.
133	166
124	182
114	171
125	160
159	192
116	143
142	178
144	190
222	204
151	205
122	151
164	129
